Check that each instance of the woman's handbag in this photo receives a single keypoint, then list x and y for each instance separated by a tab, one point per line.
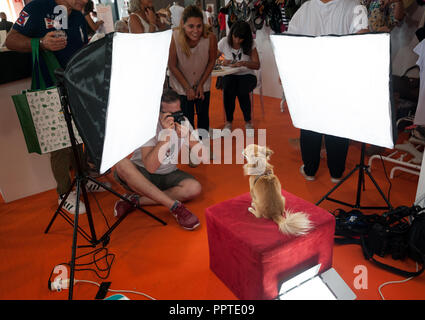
407	87
219	83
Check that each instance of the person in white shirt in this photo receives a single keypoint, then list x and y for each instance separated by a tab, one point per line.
325	17
176	14
239	50
317	18
210	16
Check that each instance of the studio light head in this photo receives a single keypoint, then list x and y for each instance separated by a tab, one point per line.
114	86
338	85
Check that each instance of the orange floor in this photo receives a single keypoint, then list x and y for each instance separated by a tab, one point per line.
167	262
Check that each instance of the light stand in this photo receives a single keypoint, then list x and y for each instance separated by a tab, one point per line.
80	181
362	168
362	86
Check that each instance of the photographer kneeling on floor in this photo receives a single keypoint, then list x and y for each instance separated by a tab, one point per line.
151	173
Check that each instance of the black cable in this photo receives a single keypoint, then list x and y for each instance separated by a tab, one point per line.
100	209
95	261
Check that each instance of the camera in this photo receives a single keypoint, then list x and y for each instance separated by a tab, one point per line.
178	116
60	34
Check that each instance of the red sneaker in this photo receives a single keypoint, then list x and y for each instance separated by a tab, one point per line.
186	219
121	206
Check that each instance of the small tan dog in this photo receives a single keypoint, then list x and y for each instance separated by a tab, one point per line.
265	189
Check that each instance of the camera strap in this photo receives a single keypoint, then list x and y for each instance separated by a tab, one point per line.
407	274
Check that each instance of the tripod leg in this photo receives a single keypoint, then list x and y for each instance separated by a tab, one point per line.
337	185
125	199
89	212
360	182
379	189
60	207
74	243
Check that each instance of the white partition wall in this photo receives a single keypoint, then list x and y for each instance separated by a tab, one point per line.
21	174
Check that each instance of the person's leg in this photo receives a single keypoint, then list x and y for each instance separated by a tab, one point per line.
310	143
229	96
84	166
245	84
202	111
186	190
83	156
61	162
336	150
188	108
137	182
151	194
178	185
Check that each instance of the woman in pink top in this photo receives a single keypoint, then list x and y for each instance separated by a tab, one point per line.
193	51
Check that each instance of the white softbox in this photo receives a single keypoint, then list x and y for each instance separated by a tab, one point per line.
338	85
139	64
114	87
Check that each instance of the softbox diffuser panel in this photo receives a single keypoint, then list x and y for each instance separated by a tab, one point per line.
338	85
139	65
115	86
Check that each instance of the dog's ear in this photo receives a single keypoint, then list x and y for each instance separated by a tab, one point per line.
269	152
247	150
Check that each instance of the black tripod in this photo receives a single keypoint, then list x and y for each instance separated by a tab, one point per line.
362	168
79	182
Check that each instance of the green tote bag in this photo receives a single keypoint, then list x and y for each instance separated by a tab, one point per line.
40	111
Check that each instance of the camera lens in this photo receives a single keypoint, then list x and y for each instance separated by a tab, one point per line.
60	34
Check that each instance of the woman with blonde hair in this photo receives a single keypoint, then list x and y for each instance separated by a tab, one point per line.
193	52
143	18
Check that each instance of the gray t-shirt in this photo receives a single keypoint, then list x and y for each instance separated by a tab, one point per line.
169	164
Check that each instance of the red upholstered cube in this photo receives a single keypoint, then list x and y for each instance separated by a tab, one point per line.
252	257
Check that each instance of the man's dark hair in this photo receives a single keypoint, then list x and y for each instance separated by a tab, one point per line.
169	95
241	30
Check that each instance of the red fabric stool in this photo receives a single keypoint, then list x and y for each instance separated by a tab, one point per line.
252	257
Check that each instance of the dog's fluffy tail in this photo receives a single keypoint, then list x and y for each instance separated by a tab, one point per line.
294	223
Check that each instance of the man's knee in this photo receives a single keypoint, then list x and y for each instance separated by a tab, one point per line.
123	170
192	189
